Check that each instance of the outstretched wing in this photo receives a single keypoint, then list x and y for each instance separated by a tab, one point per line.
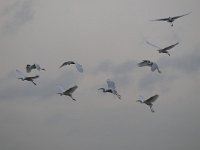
171	46
152	45
60	88
67	63
176	17
72	89
162	19
19	73
144	63
152	99
111	84
79	67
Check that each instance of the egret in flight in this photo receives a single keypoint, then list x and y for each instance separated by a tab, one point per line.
67	92
151	64
111	88
34	66
78	66
171	19
165	49
23	77
148	101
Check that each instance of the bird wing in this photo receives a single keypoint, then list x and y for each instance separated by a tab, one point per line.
152	45
37	67
171	46
79	67
152	99
111	84
67	63
176	17
141	98
154	67
162	19
60	88
144	63
72	89
19	73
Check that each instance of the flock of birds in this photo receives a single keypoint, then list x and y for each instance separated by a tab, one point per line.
111	84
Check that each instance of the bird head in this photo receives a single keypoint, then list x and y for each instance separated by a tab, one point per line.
60	94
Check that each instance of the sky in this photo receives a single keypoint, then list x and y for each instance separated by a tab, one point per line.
108	38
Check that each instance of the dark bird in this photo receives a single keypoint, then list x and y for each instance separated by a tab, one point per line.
67	92
23	78
151	64
34	66
165	49
171	19
148	101
111	88
78	66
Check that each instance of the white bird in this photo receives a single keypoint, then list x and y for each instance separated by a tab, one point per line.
111	88
34	66
171	19
23	77
67	92
151	64
78	66
165	49
148	101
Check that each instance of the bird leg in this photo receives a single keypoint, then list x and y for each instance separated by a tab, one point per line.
33	82
72	98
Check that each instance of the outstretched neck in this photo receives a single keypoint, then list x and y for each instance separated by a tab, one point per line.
139	101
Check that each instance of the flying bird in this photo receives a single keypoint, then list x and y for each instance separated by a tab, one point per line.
111	88
148	101
151	64
165	49
171	19
78	66
23	77
34	66
67	92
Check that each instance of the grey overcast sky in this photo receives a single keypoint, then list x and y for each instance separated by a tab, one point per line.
108	38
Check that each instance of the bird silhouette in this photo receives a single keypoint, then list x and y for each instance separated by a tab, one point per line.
171	19
151	64
111	88
67	92
29	78
148	101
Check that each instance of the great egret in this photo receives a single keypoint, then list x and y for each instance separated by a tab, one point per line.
148	101
111	88
67	92
165	49
171	19
34	66
151	64
23	77
78	66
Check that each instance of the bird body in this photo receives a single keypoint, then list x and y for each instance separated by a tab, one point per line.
149	101
67	92
171	19
111	88
151	64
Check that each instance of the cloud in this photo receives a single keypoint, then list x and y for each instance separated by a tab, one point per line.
16	15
